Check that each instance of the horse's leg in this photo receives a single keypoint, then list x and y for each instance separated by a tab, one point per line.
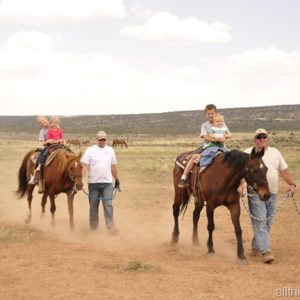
52	208
43	204
196	216
181	197
210	227
235	217
176	232
199	202
71	210
176	209
30	189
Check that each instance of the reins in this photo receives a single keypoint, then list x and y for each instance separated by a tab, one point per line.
286	196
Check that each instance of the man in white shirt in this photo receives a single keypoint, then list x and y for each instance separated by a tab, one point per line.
264	210
100	161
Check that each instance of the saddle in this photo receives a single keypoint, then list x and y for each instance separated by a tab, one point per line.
193	178
53	150
183	158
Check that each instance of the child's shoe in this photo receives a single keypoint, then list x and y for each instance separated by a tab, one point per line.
32	180
182	183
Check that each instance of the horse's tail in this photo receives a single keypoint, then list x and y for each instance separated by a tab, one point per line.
22	176
184	204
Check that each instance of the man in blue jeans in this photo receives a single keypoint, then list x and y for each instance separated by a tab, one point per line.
263	211
100	161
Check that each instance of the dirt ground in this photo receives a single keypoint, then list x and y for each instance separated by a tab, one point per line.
40	261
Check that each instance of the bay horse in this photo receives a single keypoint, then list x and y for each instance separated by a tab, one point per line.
217	185
62	175
120	142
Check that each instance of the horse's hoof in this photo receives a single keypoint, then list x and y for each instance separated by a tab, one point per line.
27	220
243	262
211	251
196	243
174	241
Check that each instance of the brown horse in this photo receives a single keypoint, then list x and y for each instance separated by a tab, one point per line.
75	143
85	142
217	185
120	142
62	175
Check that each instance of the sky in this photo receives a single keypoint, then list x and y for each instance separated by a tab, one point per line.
99	57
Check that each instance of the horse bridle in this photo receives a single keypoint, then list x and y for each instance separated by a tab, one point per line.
255	185
72	176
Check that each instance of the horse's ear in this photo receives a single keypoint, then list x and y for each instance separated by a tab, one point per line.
255	153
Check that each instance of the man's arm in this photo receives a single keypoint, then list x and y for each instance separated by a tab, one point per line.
286	175
85	168
114	171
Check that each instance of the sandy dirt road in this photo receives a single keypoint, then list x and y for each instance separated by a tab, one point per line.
39	261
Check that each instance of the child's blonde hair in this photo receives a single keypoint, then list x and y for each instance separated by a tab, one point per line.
39	119
218	116
55	120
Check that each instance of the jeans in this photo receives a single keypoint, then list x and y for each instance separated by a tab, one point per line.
101	191
208	155
261	228
43	155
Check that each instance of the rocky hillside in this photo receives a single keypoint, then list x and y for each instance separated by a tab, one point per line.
283	117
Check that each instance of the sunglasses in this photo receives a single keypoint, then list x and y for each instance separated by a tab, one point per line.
101	140
261	137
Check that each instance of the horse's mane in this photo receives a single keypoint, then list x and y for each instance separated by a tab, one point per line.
63	157
236	159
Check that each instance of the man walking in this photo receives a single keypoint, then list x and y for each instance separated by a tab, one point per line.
264	211
100	161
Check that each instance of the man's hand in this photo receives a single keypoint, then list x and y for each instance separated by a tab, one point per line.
117	185
291	188
242	188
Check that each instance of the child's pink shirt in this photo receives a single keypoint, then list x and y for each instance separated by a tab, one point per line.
55	134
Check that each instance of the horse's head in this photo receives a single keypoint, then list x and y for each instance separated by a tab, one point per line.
256	174
74	169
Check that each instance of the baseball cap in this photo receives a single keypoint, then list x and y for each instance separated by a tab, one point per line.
260	131
101	135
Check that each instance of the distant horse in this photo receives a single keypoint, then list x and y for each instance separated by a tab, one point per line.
85	142
119	142
75	143
62	175
217	185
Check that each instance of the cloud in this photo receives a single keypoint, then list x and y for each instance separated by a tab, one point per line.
164	27
264	76
138	11
26	54
39	11
35	78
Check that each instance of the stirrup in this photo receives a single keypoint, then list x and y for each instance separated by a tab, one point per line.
32	180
